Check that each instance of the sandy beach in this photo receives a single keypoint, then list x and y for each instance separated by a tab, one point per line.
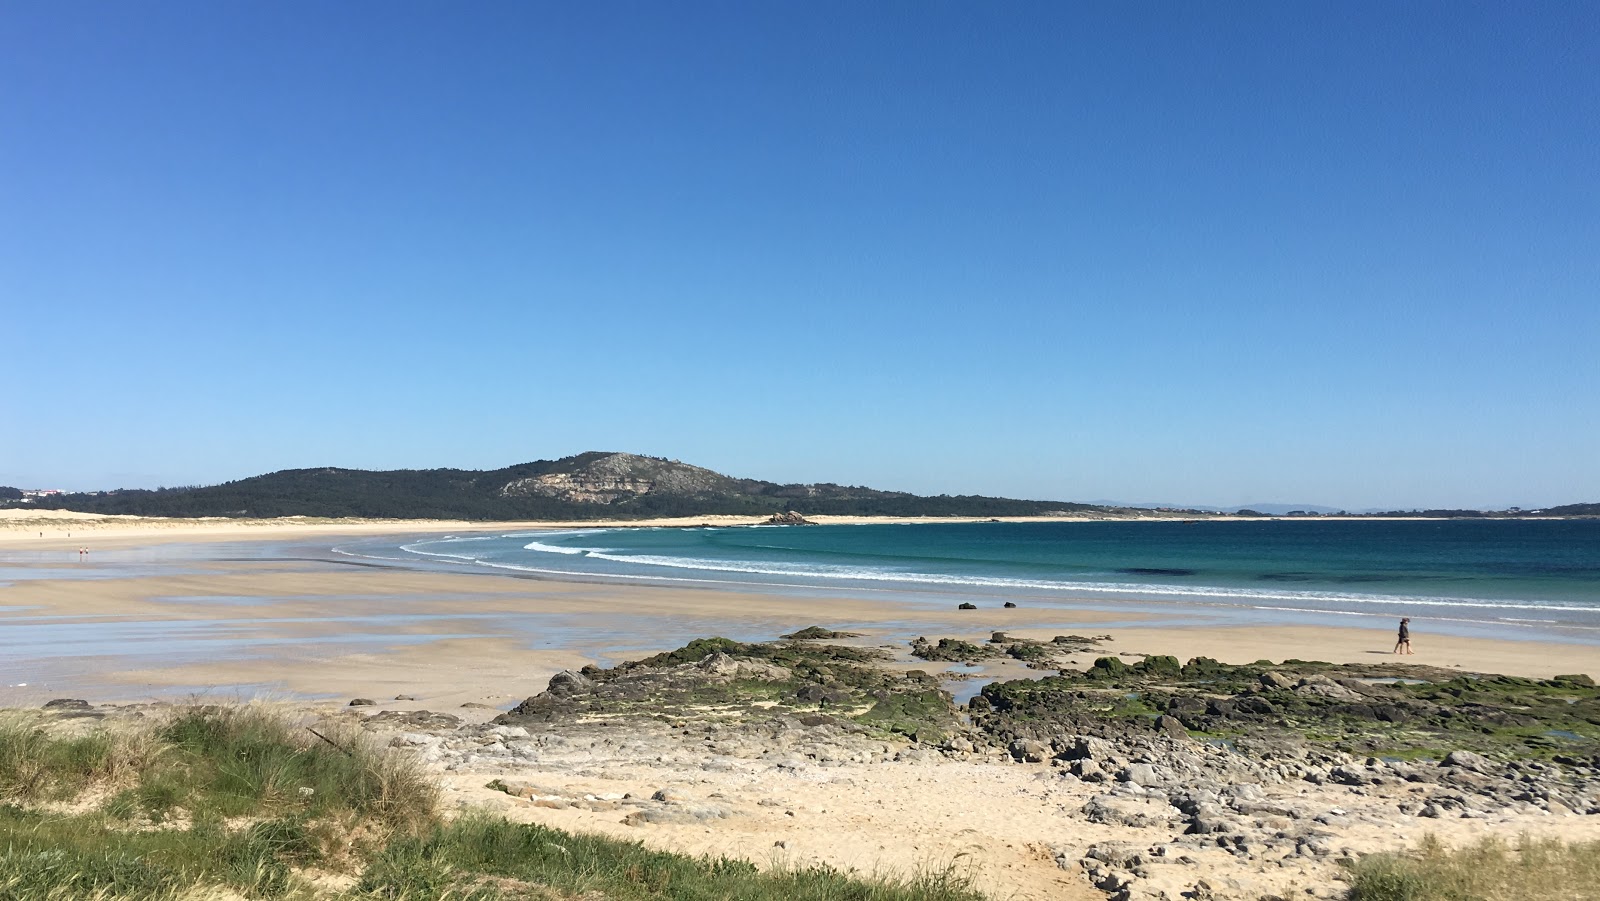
325	628
138	620
50	529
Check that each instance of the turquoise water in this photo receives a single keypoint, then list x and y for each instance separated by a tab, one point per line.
1480	571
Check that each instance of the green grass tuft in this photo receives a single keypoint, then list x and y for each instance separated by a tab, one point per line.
37	766
230	803
452	860
241	760
1491	870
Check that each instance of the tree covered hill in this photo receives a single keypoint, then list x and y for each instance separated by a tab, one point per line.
591	485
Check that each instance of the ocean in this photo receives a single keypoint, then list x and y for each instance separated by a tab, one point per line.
1500	577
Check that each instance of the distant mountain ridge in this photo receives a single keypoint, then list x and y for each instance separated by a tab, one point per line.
592	485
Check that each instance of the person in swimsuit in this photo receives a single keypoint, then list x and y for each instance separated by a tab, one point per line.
1403	646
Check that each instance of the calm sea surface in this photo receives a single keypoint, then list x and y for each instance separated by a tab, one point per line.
1544	573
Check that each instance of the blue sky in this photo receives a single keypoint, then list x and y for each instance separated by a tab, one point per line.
1336	253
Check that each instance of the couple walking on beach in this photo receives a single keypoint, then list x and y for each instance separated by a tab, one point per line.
1403	646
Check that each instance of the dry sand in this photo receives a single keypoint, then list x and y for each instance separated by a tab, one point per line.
50	529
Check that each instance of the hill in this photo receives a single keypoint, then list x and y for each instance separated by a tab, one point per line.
591	485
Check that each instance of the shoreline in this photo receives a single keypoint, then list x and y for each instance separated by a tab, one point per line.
55	529
437	655
318	628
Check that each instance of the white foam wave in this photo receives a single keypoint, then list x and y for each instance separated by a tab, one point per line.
558	549
1260	598
863	574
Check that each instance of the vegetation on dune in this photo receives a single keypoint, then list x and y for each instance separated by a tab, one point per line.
453	859
1491	870
227	803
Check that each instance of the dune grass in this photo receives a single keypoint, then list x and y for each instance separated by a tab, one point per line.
247	760
1491	870
240	803
35	766
89	856
456	857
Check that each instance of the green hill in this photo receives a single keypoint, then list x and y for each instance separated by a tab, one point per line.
591	485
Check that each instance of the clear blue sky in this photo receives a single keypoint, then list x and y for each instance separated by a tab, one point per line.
1339	253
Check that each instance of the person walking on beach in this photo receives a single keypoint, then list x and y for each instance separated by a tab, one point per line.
1403	646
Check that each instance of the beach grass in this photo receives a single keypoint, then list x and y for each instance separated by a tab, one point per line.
1490	870
478	856
247	760
35	765
243	803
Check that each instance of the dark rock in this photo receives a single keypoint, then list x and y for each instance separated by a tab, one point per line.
1392	713
67	704
1030	751
814	633
1087	770
1172	726
822	694
1107	667
1276	681
1087	747
567	683
1009	604
1161	666
363	702
951	649
966	606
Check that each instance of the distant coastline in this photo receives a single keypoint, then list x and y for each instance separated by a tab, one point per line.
48	528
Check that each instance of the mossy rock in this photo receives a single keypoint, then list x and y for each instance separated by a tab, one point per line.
1027	652
814	633
1107	668
1205	667
911	712
1161	666
694	652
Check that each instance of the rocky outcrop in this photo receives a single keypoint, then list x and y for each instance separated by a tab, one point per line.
610	478
819	633
788	518
1304	780
753	683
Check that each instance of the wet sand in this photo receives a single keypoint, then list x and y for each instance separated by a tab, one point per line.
157	618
